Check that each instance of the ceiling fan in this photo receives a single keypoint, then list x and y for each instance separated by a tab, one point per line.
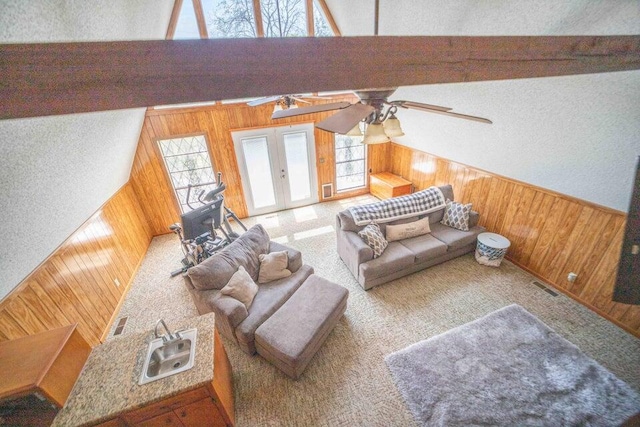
374	109
284	102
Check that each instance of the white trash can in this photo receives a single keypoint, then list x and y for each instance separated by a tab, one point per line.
491	249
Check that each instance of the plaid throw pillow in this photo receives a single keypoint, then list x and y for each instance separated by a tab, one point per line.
456	215
373	237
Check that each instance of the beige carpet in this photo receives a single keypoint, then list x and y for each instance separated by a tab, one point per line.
347	382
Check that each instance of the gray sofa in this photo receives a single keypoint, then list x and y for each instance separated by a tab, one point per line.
233	320
406	256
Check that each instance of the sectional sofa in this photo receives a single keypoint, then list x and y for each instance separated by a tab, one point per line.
406	256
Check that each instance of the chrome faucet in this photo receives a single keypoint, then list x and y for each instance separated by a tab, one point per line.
169	336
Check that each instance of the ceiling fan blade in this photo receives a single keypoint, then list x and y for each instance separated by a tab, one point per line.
460	116
300	99
343	121
261	101
309	110
419	106
45	79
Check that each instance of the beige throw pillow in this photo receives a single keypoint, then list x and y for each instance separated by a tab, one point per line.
273	266
410	229
241	287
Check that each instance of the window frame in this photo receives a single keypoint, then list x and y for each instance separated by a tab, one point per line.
365	160
174	191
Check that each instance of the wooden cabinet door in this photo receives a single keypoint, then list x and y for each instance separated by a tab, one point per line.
170	419
116	422
200	414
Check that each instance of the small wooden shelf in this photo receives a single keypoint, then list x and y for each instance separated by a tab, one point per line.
385	185
47	364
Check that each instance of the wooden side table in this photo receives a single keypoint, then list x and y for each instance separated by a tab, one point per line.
385	185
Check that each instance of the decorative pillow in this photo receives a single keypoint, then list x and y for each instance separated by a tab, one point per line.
241	287
456	215
273	266
411	229
373	237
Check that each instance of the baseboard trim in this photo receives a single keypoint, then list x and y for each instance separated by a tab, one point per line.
577	299
116	311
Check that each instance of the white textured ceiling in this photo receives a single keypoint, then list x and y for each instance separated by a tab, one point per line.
488	18
577	135
56	171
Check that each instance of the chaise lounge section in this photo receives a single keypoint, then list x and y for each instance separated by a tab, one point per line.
233	319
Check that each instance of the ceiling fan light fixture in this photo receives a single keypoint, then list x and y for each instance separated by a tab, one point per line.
392	127
355	131
374	134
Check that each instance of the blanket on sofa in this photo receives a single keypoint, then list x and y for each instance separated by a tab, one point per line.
418	203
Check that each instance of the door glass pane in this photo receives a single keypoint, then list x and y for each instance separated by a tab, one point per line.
295	148
256	155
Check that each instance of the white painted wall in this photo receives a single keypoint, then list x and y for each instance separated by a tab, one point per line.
578	135
55	172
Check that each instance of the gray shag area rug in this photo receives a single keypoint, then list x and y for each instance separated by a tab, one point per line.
508	368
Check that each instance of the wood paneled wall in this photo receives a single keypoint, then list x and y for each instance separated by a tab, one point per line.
551	234
151	181
77	282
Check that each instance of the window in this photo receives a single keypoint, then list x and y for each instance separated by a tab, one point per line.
237	19
351	163
187	161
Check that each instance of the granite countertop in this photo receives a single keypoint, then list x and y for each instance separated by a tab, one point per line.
108	384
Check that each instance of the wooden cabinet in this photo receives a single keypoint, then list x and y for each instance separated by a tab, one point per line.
385	185
208	406
42	367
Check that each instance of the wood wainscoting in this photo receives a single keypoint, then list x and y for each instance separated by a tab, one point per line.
551	234
216	122
76	283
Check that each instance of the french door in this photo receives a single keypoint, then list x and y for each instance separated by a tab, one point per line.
278	167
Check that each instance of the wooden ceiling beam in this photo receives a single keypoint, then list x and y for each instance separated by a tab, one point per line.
61	78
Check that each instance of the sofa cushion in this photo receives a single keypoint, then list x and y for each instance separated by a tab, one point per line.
215	271
447	192
425	247
373	237
455	239
273	266
269	298
456	215
241	287
347	222
395	257
408	230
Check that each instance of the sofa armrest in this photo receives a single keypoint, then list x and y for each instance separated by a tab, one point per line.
229	314
353	250
474	217
294	255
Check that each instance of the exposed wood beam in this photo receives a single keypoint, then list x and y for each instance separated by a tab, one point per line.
59	78
173	22
329	16
257	17
310	24
202	26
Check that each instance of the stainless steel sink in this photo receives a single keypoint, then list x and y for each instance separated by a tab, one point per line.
169	357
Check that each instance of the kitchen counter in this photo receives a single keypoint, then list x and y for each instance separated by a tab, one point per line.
108	385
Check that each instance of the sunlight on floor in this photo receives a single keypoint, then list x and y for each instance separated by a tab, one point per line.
307	213
313	232
271	220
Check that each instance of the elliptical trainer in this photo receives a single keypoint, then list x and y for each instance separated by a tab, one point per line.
205	229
